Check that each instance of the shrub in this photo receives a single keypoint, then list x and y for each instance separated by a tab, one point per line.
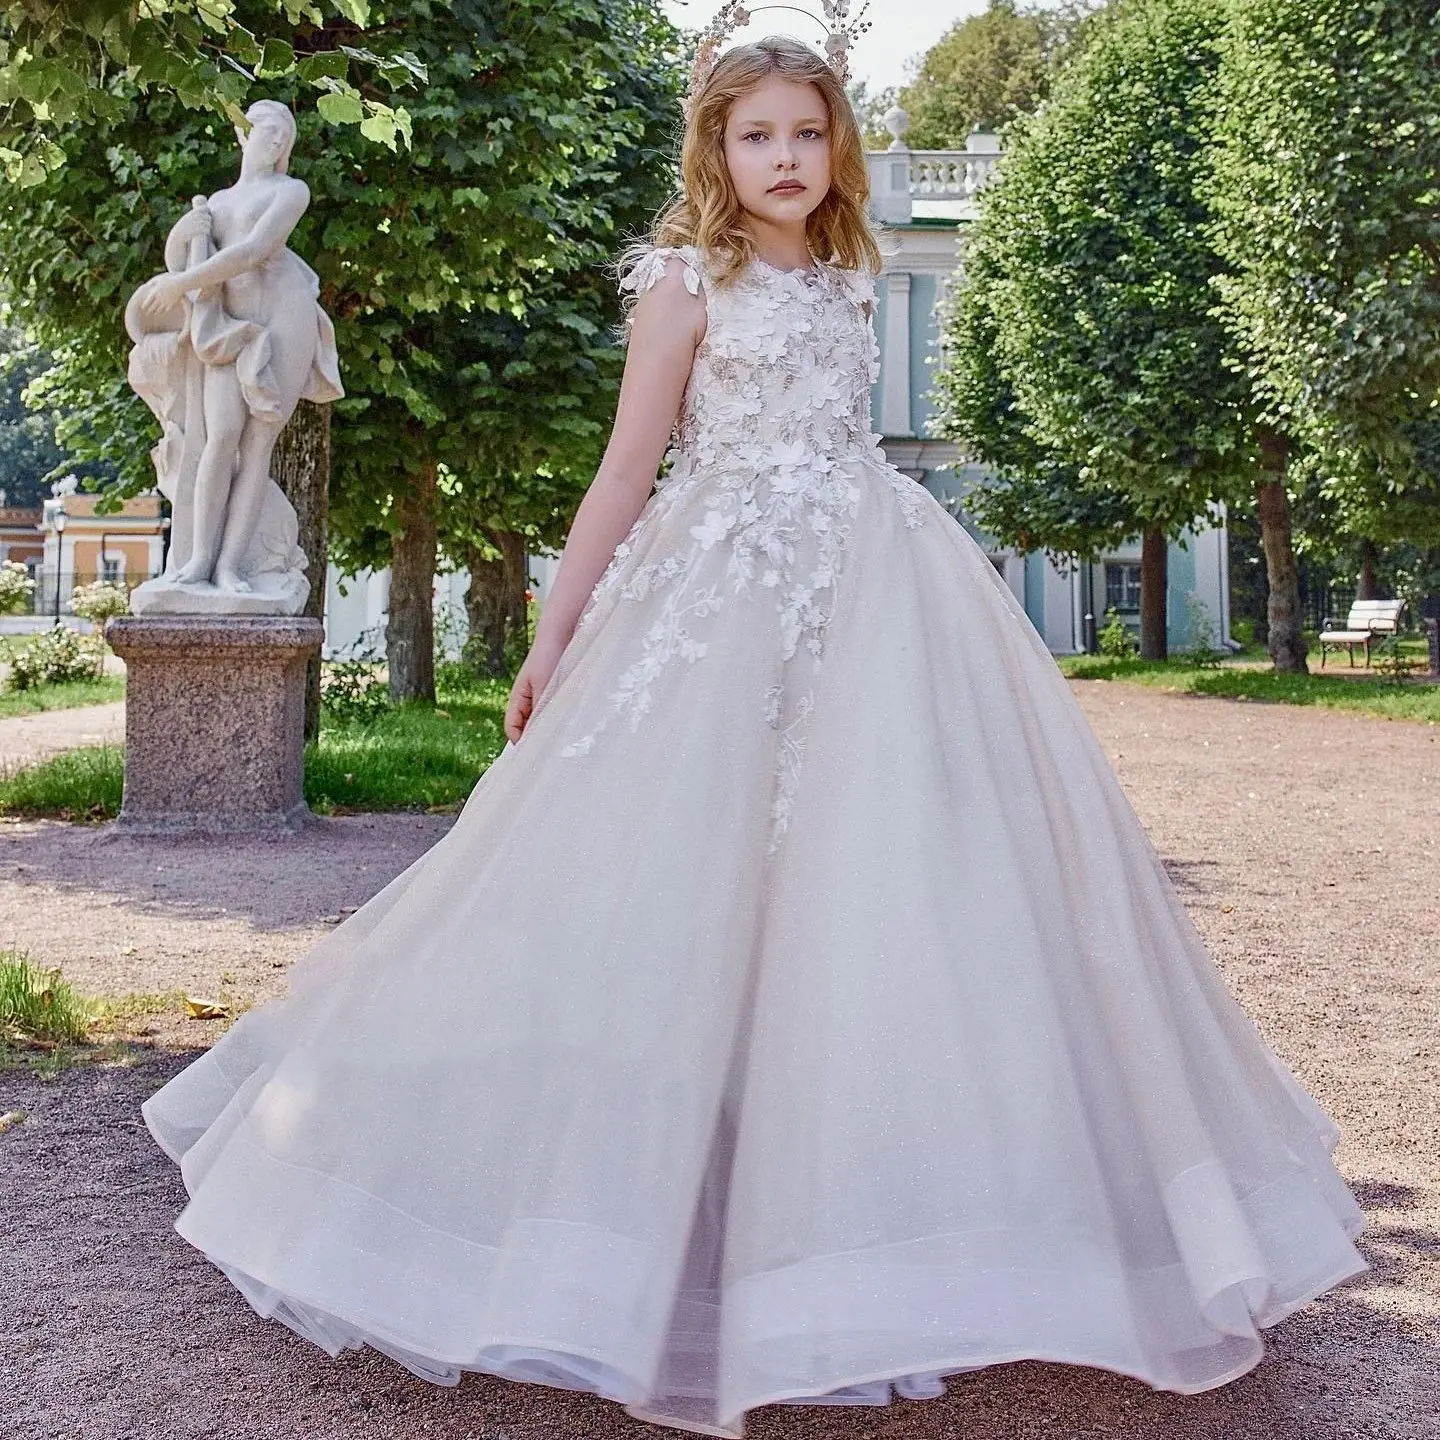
16	587
353	693
100	601
1203	649
1115	638
58	657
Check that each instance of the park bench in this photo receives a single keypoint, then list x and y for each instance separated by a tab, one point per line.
1371	623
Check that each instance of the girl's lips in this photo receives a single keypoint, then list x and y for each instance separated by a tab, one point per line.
790	187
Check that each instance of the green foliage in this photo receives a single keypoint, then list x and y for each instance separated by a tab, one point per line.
85	784
60	656
64	65
465	277
989	68
38	1006
1203	651
104	690
870	111
1115	637
28	452
1030	496
1325	184
353	693
1081	359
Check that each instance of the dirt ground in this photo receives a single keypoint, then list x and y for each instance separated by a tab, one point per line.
1303	842
24	739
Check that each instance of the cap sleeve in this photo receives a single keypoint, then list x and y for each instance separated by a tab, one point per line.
858	285
650	266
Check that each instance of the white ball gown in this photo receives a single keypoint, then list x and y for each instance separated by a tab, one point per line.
798	1012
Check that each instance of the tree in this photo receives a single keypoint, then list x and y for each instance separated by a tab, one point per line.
463	277
1031	498
1093	248
28	451
71	64
987	69
1325	186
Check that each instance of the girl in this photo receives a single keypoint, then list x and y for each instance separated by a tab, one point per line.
797	1011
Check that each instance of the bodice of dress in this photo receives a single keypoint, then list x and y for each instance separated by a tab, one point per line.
784	371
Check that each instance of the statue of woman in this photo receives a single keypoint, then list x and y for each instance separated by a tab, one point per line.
227	342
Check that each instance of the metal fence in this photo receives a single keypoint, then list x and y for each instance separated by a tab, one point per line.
51	595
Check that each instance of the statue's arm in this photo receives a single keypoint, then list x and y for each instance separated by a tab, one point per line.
266	238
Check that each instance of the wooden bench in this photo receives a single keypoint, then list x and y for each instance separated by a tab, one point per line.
1370	623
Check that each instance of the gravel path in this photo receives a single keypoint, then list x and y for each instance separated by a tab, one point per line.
24	739
1304	843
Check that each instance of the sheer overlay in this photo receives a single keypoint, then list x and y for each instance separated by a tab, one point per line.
798	1011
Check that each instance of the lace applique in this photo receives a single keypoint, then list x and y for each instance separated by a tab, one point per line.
648	270
768	456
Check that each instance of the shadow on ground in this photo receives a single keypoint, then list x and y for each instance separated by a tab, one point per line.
118	1330
333	865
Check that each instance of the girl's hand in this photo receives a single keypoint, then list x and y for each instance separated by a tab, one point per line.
534	675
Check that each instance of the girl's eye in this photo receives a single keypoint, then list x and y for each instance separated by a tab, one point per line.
756	135
818	134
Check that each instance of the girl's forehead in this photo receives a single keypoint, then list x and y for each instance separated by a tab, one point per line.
780	98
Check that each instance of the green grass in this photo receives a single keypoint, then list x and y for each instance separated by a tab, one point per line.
37	1007
62	697
1250	678
47	1026
415	757
84	784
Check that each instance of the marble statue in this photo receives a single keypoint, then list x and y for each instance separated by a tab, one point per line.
226	342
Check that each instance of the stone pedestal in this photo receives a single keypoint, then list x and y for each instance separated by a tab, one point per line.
214	722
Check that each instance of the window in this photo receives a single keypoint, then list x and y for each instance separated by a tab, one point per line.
1122	586
112	569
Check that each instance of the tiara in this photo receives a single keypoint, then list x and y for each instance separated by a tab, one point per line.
841	31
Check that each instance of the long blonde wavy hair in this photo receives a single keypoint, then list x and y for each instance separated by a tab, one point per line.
707	213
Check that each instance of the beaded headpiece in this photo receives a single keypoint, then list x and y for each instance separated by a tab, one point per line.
841	30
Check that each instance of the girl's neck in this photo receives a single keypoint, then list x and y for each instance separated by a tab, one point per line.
783	248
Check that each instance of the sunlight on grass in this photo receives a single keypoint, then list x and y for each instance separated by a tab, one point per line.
38	1007
62	697
414	757
84	784
1414	699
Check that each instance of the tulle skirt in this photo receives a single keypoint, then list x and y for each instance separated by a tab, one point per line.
823	1025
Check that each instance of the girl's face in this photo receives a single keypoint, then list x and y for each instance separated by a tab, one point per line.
777	147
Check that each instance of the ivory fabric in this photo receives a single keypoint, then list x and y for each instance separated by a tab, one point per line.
798	1012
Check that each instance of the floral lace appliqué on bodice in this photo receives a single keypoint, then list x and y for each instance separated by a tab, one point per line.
776	411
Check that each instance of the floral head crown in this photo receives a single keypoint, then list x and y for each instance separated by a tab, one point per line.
841	30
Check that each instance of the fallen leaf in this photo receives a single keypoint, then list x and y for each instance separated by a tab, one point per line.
206	1009
10	1119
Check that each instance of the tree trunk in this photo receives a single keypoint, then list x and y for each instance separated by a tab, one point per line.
301	468
1286	642
1154	581
1365	585
495	600
410	628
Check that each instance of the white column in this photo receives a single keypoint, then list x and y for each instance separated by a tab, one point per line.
895	398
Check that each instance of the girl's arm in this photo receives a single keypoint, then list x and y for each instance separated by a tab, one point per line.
667	325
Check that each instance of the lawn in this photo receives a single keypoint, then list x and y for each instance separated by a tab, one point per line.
413	757
61	697
1249	676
